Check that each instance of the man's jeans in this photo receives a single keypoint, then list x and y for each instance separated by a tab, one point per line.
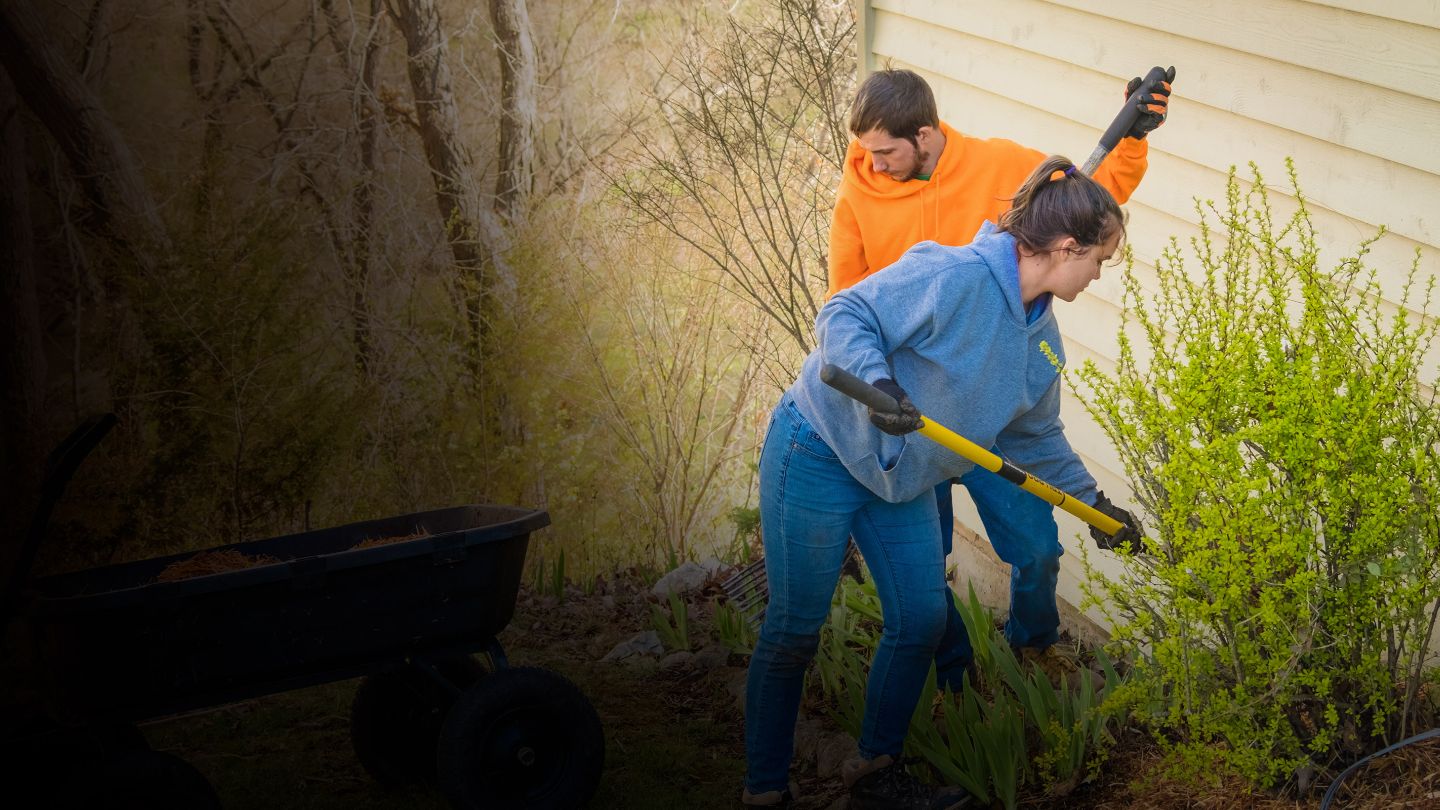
809	507
1022	530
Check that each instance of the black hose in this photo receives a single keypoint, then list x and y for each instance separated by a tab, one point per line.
1335	786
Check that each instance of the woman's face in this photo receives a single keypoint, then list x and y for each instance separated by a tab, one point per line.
1073	265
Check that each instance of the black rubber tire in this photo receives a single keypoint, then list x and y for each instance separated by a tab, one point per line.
395	720
525	737
142	779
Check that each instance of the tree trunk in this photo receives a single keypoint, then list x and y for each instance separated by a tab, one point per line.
22	363
470	228
364	195
517	104
56	93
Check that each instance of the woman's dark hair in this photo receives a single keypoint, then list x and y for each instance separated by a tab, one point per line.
896	101
1057	201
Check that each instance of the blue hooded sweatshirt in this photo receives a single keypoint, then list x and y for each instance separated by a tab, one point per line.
948	325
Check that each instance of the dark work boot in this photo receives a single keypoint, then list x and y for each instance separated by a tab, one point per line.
771	798
892	788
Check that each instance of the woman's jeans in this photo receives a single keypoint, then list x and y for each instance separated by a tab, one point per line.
810	506
1022	529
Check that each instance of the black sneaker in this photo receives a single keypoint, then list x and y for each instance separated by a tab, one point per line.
893	788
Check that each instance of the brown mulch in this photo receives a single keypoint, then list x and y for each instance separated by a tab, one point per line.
212	562
1134	777
1408	778
219	562
385	541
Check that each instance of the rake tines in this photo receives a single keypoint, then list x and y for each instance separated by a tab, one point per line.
748	589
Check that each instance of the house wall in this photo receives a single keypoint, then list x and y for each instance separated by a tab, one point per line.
1349	89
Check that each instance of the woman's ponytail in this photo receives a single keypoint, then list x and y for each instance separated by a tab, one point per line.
1057	201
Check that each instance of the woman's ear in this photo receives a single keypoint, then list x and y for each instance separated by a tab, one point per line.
1069	243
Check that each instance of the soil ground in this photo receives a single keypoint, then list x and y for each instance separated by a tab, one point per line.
673	736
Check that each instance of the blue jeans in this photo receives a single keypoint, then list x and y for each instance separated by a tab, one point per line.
1022	529
810	506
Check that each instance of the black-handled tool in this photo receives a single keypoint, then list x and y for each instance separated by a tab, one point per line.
1126	119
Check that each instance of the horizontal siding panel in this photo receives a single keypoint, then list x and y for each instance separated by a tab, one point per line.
1171	185
1386	53
1420	12
1377	121
1343	180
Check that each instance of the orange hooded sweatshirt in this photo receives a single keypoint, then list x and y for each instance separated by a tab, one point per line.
878	218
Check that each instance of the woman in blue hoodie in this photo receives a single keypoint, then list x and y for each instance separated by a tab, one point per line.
959	330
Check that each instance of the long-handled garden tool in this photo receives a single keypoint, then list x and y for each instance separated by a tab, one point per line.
867	394
747	588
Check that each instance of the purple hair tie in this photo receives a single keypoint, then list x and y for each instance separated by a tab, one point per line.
1069	171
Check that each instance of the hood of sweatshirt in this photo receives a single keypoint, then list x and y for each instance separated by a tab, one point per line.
861	176
998	251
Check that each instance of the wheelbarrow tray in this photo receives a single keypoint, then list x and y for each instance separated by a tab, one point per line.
118	645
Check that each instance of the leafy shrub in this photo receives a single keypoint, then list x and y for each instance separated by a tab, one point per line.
1283	443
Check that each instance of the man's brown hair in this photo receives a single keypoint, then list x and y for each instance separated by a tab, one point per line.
896	101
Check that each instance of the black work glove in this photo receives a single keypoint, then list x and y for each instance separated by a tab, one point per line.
1153	107
896	424
1129	535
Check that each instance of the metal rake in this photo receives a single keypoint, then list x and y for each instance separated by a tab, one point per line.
748	589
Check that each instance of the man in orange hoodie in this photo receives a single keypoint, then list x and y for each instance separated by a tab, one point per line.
910	177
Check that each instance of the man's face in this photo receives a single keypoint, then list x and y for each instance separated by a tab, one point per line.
895	157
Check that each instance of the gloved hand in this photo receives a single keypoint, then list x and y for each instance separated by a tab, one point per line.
1153	107
896	424
1129	535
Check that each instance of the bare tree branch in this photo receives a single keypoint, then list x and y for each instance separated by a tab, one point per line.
72	114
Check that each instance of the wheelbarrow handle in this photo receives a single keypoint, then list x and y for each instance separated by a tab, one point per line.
60	465
1126	118
867	394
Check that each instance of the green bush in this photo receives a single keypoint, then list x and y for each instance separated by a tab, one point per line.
1282	440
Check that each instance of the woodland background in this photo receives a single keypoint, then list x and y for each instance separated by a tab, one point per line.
330	260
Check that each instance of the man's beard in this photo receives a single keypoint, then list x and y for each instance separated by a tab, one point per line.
921	158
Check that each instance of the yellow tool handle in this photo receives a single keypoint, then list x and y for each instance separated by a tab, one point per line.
867	394
953	441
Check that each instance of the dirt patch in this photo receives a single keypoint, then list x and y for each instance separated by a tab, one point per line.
675	735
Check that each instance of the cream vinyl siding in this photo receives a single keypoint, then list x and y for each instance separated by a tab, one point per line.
1350	89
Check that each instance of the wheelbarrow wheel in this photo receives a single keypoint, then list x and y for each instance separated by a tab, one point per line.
396	717
524	737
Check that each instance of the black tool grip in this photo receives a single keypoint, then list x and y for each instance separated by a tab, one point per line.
1126	119
857	389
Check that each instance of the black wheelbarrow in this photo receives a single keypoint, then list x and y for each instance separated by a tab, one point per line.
107	648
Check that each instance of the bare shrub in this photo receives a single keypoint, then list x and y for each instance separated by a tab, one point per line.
744	166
